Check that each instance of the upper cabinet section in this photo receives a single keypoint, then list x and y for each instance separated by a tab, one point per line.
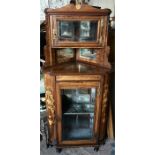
69	27
76	31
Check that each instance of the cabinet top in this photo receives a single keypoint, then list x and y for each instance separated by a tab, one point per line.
76	68
70	9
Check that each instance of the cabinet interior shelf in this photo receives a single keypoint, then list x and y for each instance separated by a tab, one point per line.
77	113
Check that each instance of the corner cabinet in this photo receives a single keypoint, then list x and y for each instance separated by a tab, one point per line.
76	75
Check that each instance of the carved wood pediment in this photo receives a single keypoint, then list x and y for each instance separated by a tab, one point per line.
71	9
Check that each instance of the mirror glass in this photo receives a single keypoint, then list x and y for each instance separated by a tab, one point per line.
89	54
64	55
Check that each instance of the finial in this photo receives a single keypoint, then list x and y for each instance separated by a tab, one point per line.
78	3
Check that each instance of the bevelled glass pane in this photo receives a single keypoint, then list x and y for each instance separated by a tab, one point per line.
66	29
88	30
89	54
78	113
77	30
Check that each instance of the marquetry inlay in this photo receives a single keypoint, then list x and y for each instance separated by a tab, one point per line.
50	106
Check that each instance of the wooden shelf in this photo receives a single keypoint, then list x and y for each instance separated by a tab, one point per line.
78	113
76	68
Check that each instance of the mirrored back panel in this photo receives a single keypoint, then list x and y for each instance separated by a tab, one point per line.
65	55
91	55
88	55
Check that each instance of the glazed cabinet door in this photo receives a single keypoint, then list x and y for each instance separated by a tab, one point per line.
75	31
78	112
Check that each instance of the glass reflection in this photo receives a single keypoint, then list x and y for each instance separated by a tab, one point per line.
78	113
89	54
66	29
64	55
78	30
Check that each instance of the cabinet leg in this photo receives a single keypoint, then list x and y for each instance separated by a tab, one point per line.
47	145
96	148
104	142
41	137
58	150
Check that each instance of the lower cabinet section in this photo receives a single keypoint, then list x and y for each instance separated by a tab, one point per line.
77	110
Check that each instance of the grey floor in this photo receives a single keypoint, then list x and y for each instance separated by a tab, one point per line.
107	149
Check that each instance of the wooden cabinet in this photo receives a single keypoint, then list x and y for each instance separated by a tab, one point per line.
77	75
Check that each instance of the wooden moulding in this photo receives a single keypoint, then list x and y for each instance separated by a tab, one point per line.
104	108
75	146
78	142
101	58
48	57
106	62
110	127
78	77
71	9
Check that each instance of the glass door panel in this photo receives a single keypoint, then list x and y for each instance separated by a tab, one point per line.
77	30
78	113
